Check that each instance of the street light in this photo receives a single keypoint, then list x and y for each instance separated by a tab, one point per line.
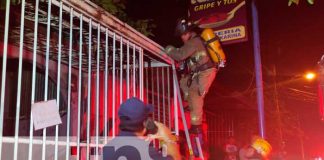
310	76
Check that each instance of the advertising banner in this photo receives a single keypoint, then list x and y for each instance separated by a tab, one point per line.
226	17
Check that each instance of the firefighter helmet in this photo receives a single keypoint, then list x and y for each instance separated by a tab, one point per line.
183	26
262	146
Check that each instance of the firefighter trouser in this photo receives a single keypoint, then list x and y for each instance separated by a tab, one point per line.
196	92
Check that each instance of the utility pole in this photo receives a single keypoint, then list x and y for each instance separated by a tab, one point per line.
278	110
258	68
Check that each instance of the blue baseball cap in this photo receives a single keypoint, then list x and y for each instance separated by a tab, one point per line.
134	112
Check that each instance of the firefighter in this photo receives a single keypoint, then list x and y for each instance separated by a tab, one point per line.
199	75
257	149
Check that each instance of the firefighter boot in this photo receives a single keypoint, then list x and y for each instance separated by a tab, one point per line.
196	131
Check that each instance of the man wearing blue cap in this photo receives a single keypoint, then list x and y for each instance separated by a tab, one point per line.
131	141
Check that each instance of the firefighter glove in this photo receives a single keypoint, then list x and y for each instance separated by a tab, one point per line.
169	49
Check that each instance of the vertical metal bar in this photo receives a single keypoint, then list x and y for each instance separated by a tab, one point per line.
30	148
152	90
131	63
175	104
127	72
69	88
140	73
163	96
134	73
146	83
106	86
158	92
199	148
89	87
117	84
114	87
153	99
169	97
175	82
46	70
142	59
21	43
141	80
79	87
97	94
58	78
121	72
4	69
258	69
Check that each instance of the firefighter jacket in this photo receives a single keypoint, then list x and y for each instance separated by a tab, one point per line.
193	52
196	82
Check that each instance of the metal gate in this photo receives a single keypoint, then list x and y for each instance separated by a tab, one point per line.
89	62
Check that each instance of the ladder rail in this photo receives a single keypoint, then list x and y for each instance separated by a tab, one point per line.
184	121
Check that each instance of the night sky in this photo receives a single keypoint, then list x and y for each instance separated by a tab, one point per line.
164	14
291	37
292	41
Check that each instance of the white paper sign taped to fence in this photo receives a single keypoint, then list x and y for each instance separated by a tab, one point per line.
45	114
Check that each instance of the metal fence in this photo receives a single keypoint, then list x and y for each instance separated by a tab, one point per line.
89	62
220	127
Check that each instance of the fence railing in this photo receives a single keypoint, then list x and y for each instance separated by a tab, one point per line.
89	62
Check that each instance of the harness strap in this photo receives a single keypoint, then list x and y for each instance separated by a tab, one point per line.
200	68
211	40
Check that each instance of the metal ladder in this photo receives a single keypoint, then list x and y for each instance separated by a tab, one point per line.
184	121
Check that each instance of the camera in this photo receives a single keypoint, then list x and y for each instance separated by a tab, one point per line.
150	126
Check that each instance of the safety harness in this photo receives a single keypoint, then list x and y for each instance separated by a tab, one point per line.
199	68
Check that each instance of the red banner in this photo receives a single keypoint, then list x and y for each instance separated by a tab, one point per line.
226	17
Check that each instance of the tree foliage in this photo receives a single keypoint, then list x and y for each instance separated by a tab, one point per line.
290	2
117	8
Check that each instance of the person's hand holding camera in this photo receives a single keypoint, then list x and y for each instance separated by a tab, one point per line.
165	136
164	133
